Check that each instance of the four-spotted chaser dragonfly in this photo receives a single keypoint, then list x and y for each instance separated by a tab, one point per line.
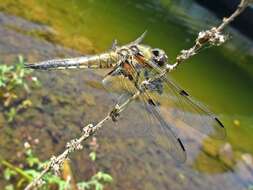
132	65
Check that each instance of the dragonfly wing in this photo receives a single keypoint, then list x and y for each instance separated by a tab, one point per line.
162	131
128	124
144	119
191	111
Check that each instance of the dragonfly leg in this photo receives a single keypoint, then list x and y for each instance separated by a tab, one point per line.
114	114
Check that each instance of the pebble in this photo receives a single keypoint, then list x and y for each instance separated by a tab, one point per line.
226	154
247	159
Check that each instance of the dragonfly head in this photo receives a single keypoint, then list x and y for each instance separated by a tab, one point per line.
159	57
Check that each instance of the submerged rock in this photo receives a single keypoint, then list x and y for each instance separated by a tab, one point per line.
226	155
89	99
248	160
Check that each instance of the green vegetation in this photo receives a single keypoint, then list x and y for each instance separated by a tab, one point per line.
15	84
97	181
18	177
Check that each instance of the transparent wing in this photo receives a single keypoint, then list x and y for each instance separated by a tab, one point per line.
162	131
192	112
144	119
128	124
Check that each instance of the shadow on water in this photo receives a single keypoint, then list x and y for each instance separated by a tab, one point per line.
221	77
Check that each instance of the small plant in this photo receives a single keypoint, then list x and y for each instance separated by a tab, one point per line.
96	182
15	82
18	177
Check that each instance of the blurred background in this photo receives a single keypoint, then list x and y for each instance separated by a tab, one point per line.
48	114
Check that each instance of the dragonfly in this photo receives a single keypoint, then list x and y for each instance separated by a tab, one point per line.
132	65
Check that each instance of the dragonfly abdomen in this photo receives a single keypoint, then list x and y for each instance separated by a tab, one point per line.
105	60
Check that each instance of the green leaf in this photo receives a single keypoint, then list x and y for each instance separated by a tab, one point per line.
2	83
107	178
9	187
93	156
32	173
29	152
83	185
53	179
21	60
32	161
103	177
99	186
42	165
63	185
8	173
11	114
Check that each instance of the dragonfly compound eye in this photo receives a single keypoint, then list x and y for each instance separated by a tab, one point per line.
156	52
159	56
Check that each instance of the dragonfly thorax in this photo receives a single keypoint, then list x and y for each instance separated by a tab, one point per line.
138	63
139	56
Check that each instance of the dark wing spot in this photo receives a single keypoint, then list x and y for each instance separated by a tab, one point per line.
109	73
181	144
184	93
151	102
219	122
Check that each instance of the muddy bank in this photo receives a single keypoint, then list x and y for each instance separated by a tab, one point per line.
15	40
68	100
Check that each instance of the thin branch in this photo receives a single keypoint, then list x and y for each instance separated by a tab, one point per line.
241	7
55	163
212	36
